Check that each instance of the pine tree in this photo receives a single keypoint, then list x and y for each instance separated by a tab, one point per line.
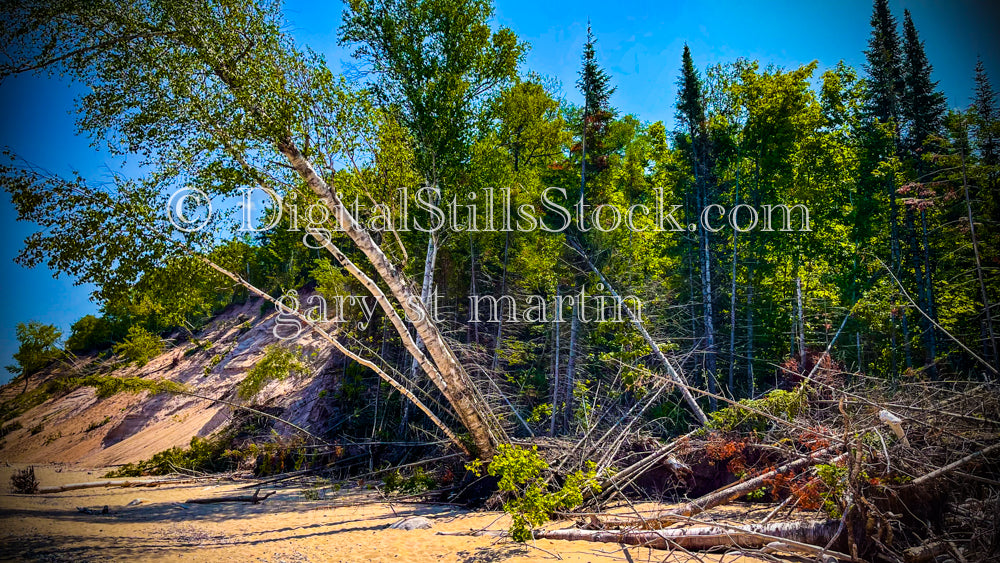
885	64
985	104
691	114
885	86
595	84
922	105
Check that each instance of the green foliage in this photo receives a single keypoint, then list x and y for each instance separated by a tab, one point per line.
107	385
36	429
140	346
278	363
785	405
520	472
36	347
417	482
92	333
203	454
834	478
540	413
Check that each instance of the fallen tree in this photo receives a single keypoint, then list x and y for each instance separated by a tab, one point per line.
718	497
807	535
120	483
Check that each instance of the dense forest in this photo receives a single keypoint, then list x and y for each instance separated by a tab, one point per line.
591	271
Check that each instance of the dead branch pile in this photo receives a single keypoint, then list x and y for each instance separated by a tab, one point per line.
903	470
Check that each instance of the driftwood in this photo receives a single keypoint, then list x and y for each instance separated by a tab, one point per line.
255	498
803	536
715	498
953	466
120	483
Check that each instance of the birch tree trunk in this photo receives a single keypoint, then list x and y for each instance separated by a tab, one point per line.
456	385
808	534
425	294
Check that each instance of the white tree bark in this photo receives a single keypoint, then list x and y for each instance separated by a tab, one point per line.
457	389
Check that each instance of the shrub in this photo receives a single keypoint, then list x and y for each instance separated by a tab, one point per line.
23	482
277	363
203	454
778	403
520	472
418	482
139	346
92	333
36	429
107	385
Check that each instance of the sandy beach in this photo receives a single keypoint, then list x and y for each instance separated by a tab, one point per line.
154	524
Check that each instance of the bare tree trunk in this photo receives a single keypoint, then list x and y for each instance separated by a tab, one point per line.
425	294
807	535
706	295
750	376
979	267
732	297
456	385
929	288
555	387
574	350
503	302
800	323
472	288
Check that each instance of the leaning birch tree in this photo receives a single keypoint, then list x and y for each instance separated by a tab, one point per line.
214	95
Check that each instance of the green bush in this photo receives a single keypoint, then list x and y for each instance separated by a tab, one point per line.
140	346
23	482
7	429
417	482
107	385
520	472
785	405
203	454
98	423
278	363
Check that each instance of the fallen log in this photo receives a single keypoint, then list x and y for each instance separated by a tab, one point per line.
805	536
952	466
715	498
255	498
119	483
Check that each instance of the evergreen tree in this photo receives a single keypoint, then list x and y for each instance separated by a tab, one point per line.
885	64
595	85
985	104
691	114
922	105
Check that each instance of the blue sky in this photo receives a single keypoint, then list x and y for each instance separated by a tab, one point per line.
639	43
